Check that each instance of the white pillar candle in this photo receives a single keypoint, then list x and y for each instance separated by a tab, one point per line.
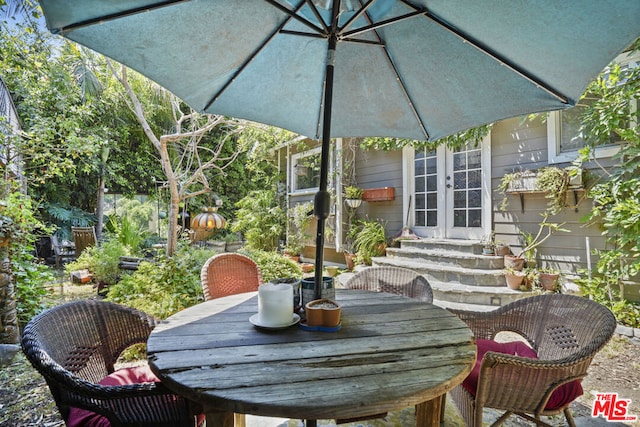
275	304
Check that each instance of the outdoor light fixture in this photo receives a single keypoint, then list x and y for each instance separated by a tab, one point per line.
209	219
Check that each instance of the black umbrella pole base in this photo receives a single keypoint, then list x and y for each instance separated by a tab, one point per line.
311	423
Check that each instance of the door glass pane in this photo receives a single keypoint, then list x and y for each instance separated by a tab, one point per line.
475	199
475	217
475	179
432	219
419	167
420	184
459	180
420	219
432	165
459	161
459	218
432	183
460	199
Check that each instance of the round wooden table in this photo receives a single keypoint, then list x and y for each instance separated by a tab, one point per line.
391	352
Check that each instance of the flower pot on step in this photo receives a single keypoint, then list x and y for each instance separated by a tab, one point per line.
513	262
514	279
549	281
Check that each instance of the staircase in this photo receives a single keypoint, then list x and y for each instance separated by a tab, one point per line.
460	276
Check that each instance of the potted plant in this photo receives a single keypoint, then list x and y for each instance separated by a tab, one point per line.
353	196
531	242
323	312
514	278
549	279
370	240
488	244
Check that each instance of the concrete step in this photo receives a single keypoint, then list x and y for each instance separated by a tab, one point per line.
475	295
463	306
465	246
447	273
448	257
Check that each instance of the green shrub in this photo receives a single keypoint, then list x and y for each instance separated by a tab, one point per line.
31	281
273	265
101	261
370	240
166	286
262	220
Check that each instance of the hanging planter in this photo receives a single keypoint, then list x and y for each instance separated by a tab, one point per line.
353	203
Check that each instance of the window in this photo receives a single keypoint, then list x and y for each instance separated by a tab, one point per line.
563	127
305	170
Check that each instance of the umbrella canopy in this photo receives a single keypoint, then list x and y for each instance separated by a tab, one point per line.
418	69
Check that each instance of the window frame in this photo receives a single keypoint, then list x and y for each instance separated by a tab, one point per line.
294	177
554	126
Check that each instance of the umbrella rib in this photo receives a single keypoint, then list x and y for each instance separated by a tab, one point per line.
250	59
294	14
113	16
381	24
357	15
399	79
496	56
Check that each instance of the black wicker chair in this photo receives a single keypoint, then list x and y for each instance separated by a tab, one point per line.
75	345
565	331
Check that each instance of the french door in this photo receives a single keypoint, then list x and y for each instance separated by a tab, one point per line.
450	192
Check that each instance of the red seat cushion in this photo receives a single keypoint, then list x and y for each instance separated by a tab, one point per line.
560	397
83	418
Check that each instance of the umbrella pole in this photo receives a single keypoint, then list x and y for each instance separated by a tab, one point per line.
322	198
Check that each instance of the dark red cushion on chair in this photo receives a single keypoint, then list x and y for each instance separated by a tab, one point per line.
84	418
562	396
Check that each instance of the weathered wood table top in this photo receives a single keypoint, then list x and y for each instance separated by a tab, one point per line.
391	352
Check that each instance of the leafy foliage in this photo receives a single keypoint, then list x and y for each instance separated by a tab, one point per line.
370	240
261	217
101	261
165	286
272	265
461	139
616	198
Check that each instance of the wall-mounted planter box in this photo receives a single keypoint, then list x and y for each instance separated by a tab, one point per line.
379	194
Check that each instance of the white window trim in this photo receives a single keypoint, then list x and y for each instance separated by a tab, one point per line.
554	127
553	142
292	171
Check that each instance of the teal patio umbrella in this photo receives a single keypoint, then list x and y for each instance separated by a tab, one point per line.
418	69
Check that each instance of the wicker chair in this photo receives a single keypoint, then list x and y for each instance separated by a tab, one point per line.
394	280
228	274
83	237
75	345
565	331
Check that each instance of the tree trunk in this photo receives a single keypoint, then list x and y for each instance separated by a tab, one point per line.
9	332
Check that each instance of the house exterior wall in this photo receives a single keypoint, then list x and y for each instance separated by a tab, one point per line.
522	145
376	169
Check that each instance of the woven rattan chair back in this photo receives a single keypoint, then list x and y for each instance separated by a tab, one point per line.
228	274
566	331
75	345
83	237
394	280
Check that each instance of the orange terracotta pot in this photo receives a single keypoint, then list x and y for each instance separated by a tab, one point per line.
323	312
